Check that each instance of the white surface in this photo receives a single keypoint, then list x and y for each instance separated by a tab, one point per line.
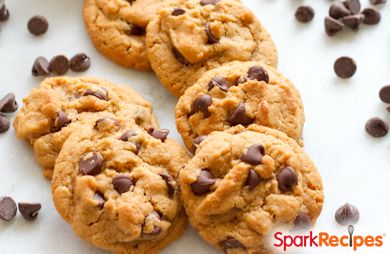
354	166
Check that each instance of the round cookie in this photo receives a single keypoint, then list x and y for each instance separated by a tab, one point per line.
194	36
242	184
239	93
117	29
54	110
116	185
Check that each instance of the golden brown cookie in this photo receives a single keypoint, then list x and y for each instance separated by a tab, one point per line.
191	37
116	185
239	93
54	110
242	184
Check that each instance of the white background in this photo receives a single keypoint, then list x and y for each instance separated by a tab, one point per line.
354	166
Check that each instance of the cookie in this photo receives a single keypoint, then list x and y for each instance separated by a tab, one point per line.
117	186
239	93
243	183
117	29
54	110
187	39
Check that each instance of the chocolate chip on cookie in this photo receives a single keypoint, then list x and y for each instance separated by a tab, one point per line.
91	164
302	222
99	197
332	26
29	211
128	134
287	178
61	121
4	123
40	67
371	16
122	183
135	30
202	104
253	155
170	183
8	104
206	2
219	82
232	243
258	73
97	94
376	127
179	57
239	116
197	141
4	12
353	5
347	215
80	62
345	67
59	65
203	183
7	208
304	13
253	179
178	12
211	39
338	10
384	94
38	25
161	134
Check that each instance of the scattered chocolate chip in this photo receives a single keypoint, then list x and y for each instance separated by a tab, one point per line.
97	94
347	215
287	178
4	12
353	21
122	183
128	134
239	116
371	16
253	155
378	1
178	12
135	30
197	141
353	5
211	39
91	164
345	67
203	183
253	179
40	67
29	211
8	104
376	127
384	94
80	62
219	82
232	243
179	57
304	13
258	73
38	25
61	121
202	104
7	208
338	10
332	26
59	65
4	123
156	231
161	134
169	181
99	197
206	2
302	222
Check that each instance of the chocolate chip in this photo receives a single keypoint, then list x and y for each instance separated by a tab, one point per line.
304	13
353	21
203	183
40	67
156	231
253	155
332	26
371	16
178	12
302	222
128	134
99	197
80	62
135	30
338	10
197	141
91	164
287	178
97	94
4	123
179	57
61	121
211	39
384	94
38	25
345	67
219	82
7	208
378	1
353	5
159	134
258	73
376	127
232	243
8	104
202	104
4	13
122	183
253	179
206	2
59	65
347	215
239	116
169	181
29	211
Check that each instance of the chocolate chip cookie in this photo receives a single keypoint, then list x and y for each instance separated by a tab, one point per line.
117	29
190	37
239	93
116	185
243	183
54	110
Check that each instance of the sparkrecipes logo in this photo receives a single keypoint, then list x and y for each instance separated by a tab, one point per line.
324	239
